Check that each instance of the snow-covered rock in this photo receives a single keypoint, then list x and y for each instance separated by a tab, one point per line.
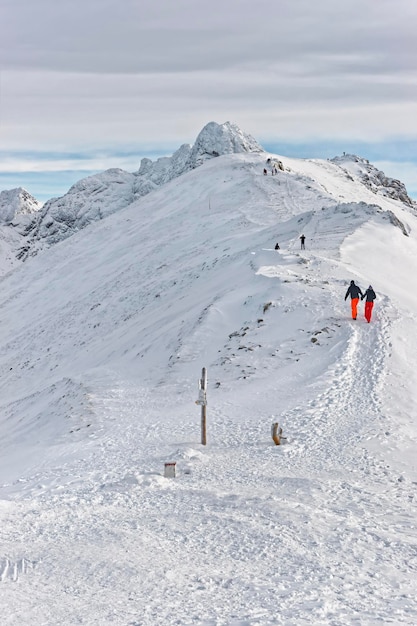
17	202
18	213
213	141
89	200
373	178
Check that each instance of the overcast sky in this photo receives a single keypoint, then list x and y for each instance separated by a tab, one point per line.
91	84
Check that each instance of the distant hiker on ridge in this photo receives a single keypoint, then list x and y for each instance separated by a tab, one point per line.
370	296
277	246
302	238
354	291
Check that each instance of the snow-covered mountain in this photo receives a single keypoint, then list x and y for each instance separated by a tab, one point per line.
17	206
95	197
16	202
102	342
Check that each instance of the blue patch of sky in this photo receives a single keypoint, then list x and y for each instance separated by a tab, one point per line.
43	185
46	184
395	150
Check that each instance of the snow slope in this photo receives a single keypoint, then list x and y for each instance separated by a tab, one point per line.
103	338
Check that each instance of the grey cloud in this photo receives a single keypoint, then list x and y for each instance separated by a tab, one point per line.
146	36
101	72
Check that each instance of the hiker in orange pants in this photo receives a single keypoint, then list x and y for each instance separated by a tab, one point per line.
354	291
369	303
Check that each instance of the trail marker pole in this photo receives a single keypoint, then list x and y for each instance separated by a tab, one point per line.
202	401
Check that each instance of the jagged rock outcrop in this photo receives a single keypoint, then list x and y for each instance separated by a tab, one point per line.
373	178
89	200
213	141
17	202
17	206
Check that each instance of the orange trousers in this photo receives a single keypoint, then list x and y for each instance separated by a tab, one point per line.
354	305
368	310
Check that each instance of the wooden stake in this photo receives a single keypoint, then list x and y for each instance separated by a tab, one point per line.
203	406
202	401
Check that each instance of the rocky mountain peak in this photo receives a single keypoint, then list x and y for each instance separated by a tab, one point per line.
373	178
15	202
219	139
214	140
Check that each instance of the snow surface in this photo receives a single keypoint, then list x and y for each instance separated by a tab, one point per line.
103	337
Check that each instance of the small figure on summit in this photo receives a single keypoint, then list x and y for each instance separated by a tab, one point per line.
354	291
277	246
302	239
370	296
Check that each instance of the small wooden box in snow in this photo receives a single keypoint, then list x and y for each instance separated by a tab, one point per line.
169	471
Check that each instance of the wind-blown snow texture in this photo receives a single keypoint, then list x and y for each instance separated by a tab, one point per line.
103	337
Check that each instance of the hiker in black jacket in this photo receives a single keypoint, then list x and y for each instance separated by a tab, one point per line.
370	296
354	291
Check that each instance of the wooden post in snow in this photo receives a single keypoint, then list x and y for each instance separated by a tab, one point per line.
202	401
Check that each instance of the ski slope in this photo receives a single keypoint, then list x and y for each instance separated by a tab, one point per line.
103	338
